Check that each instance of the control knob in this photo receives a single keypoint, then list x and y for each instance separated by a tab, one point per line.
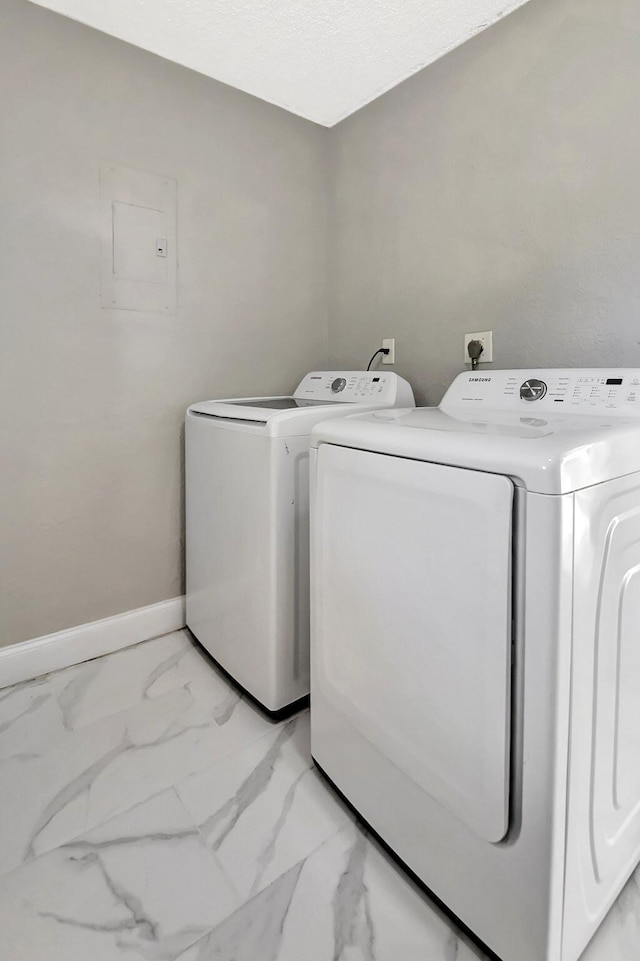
533	389
338	385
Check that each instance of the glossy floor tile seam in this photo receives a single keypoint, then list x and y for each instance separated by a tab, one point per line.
264	809
32	849
246	903
73	770
82	847
217	767
74	841
171	821
141	883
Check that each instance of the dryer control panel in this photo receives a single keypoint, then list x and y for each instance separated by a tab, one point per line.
355	387
568	390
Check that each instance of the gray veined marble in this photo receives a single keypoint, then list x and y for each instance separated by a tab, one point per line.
97	771
265	808
255	931
345	902
96	689
30	718
148	812
142	886
350	893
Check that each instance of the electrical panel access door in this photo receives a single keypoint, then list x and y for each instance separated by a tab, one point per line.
139	241
412	621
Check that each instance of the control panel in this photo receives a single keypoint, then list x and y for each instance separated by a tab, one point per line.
567	390
349	387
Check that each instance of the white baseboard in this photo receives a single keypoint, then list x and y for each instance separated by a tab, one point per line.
29	659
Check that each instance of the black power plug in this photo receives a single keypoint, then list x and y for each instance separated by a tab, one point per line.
474	349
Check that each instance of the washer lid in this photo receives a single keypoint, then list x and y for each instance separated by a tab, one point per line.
270	416
319	395
257	409
595	438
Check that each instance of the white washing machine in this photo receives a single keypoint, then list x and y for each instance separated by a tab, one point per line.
247	524
475	680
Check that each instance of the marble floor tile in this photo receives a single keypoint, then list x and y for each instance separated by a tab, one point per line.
346	902
29	718
91	691
142	886
147	811
89	775
265	808
211	689
107	685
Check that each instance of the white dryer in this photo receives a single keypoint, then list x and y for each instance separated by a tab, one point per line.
475	641
247	524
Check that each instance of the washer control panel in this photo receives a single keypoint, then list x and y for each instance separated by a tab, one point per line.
566	390
533	389
352	387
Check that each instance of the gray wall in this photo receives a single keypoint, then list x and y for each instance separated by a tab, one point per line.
498	190
91	400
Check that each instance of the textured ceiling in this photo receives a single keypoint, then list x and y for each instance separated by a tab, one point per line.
321	59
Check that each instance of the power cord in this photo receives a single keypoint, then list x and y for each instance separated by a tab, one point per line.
381	350
474	349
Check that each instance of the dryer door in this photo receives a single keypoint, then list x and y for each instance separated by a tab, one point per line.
412	621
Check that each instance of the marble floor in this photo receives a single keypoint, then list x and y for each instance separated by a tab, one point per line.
149	812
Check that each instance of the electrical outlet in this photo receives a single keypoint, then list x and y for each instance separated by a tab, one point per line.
389	358
486	339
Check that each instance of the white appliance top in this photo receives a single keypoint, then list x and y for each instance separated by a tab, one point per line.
320	395
551	431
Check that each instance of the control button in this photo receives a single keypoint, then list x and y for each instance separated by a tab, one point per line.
338	384
533	389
